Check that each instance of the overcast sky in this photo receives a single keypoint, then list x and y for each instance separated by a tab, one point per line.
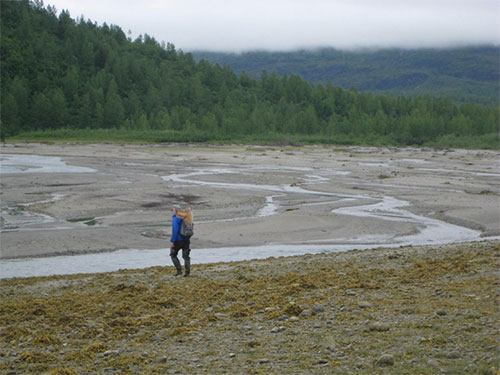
242	25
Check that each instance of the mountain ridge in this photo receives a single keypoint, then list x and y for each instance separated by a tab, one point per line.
462	73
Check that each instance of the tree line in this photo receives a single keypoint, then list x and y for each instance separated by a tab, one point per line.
62	73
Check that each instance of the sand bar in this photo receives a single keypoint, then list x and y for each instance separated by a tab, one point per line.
95	198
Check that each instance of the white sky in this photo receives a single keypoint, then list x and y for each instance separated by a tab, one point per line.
241	25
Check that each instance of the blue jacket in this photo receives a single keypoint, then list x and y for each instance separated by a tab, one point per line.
176	229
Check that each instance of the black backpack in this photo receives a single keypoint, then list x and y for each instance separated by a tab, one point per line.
186	230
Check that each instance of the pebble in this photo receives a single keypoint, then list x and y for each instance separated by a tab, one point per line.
453	355
359	365
220	315
364	304
441	312
246	329
471	369
433	363
379	327
294	319
318	308
107	353
232	355
306	312
278	329
385	360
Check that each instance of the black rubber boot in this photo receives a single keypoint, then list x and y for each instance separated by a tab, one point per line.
177	265
187	266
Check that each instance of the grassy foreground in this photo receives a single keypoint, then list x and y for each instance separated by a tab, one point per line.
411	310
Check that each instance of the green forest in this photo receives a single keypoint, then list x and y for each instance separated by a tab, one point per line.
65	78
463	74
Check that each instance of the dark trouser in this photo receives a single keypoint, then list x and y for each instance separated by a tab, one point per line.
184	245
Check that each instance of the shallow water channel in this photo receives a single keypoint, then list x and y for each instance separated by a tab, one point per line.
430	231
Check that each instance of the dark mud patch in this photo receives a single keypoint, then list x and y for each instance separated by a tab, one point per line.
154	204
158	234
68	184
170	199
180	198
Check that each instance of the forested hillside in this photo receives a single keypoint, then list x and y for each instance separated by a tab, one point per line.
62	75
469	73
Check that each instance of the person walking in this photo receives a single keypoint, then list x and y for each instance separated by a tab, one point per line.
178	242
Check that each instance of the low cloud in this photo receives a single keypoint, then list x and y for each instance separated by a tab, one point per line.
239	25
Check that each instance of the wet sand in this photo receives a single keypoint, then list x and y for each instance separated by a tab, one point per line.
245	196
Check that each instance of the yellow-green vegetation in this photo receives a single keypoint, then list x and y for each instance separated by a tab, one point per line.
411	310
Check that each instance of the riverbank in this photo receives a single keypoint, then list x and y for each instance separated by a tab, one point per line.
406	310
106	136
106	197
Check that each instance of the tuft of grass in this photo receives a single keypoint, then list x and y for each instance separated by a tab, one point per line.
80	219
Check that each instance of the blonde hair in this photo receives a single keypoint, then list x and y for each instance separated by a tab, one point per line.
186	215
